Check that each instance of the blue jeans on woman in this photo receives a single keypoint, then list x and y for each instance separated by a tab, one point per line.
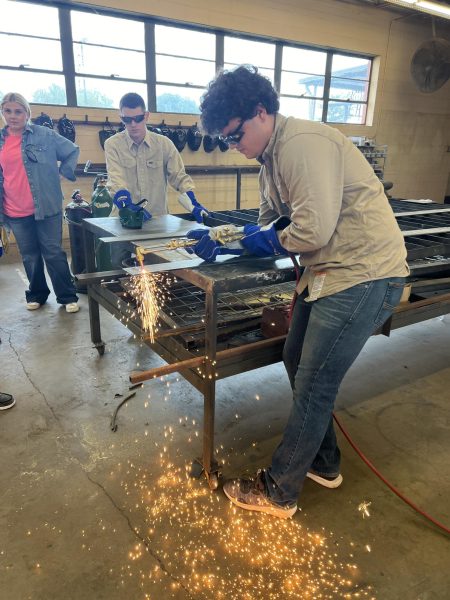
324	339
39	241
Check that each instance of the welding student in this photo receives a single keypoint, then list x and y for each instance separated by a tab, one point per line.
319	198
31	199
144	162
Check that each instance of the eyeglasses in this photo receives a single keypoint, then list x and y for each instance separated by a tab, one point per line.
235	137
136	119
29	151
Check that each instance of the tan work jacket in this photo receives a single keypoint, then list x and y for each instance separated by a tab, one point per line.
342	226
146	169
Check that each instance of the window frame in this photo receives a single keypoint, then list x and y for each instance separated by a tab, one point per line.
70	75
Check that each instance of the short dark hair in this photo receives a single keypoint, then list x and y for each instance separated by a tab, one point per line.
236	93
132	100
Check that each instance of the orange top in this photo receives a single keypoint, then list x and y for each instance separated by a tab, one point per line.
17	198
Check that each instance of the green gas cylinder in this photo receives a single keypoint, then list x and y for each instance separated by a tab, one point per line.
102	201
101	206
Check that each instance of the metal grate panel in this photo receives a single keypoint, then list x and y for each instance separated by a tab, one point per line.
186	303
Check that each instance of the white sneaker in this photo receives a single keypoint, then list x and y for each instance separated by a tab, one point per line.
330	483
33	305
72	307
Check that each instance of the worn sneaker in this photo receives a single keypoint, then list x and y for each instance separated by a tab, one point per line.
250	494
33	305
328	482
72	307
6	401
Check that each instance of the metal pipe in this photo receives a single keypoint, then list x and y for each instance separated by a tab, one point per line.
140	376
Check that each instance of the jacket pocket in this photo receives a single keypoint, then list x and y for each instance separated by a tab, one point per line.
154	164
37	153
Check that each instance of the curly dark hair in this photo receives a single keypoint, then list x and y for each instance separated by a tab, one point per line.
234	94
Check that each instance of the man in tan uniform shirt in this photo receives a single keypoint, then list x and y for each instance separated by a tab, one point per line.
319	198
144	162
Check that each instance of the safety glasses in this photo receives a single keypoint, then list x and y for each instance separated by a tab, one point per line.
136	119
235	137
30	153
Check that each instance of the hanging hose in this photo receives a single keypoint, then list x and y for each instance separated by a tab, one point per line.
385	481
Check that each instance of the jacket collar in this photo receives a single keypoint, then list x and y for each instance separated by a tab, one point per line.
28	127
280	121
130	142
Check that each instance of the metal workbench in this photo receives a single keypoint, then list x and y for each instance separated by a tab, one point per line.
210	326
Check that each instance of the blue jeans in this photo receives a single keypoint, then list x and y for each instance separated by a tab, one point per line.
40	241
324	339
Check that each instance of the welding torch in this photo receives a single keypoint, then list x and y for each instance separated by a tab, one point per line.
223	234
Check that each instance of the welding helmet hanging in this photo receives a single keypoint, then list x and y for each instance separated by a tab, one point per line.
210	143
66	128
165	130
154	129
223	146
44	120
179	137
194	138
107	131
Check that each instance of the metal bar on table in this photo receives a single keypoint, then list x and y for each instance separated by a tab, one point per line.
407	233
421	212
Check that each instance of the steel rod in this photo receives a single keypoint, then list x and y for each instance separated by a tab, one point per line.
140	376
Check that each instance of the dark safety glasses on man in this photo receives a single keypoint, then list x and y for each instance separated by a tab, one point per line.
136	119
235	137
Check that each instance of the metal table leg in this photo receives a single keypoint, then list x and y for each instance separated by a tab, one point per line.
210	466
94	323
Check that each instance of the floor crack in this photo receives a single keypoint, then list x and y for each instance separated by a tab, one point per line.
49	406
137	534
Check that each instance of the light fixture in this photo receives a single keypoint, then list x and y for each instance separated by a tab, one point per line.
433	8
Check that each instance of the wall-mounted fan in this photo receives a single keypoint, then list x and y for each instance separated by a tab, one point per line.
430	65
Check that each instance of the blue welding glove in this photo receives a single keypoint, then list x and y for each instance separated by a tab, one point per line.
263	240
122	199
207	248
190	203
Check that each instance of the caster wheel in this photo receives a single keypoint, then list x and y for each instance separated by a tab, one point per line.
213	481
196	470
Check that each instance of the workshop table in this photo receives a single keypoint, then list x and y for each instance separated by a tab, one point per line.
213	284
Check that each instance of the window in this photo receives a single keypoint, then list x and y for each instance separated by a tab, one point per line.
107	65
303	83
169	66
261	54
324	86
29	43
185	63
349	89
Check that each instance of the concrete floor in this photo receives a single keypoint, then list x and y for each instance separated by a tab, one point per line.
88	514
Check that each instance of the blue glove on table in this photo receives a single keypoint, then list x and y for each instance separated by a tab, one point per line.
207	248
263	240
122	199
190	203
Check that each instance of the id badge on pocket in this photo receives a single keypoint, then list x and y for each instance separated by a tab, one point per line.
317	285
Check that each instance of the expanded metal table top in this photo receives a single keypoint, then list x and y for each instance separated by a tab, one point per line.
186	302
